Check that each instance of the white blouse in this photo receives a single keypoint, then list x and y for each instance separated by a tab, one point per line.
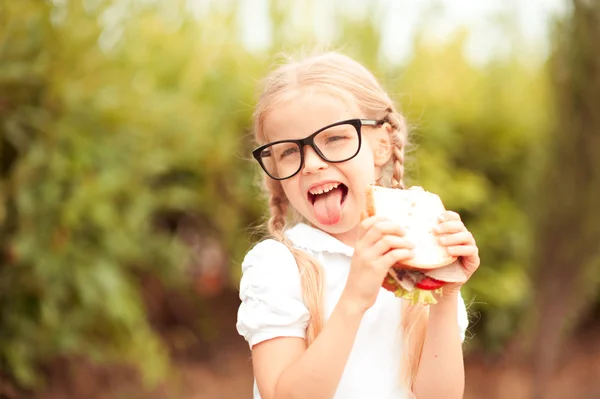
272	306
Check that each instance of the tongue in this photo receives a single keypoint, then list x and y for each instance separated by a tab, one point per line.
328	206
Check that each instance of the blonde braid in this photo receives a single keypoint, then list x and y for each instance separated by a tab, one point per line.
398	137
311	278
278	206
398	168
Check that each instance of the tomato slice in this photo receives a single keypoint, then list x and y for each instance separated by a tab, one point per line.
390	286
429	284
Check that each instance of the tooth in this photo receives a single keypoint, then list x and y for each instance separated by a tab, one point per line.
324	188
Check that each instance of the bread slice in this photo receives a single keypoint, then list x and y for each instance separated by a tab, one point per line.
417	211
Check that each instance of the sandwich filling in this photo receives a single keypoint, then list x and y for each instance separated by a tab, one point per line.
408	280
413	286
327	201
418	286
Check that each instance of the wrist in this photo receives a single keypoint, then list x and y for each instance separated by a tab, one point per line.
450	291
448	295
350	307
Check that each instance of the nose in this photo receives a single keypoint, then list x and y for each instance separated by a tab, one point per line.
312	161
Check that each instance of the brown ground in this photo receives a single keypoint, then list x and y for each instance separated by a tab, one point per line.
222	369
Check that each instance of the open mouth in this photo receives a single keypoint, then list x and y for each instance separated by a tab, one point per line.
327	200
326	189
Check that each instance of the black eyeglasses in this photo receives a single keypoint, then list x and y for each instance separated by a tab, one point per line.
338	142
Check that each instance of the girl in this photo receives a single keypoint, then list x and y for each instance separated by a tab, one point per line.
313	311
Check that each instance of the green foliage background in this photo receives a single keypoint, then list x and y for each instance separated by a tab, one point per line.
116	113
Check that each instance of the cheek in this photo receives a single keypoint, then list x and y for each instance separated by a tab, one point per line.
364	170
291	188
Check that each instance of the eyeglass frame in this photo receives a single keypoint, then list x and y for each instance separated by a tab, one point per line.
357	123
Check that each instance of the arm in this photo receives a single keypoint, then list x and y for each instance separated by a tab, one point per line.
284	368
441	370
442	358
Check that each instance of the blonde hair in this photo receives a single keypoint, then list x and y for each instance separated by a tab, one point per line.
336	73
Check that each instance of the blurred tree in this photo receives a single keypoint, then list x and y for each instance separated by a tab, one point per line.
115	114
566	213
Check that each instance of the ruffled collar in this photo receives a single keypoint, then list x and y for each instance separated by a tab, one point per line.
307	237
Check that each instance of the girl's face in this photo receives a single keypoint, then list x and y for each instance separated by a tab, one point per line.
331	196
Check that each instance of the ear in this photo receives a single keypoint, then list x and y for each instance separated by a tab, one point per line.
382	145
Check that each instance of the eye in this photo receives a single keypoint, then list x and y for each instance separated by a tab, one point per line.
288	151
332	139
265	153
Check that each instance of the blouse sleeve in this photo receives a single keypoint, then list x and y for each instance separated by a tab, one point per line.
271	295
463	318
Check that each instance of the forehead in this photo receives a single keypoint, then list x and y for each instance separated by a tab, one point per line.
303	113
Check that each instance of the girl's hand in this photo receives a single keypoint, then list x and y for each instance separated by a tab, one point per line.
380	245
459	242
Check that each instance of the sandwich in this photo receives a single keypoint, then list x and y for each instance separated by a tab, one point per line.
431	267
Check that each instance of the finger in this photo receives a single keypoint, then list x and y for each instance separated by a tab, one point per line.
450	227
461	238
462	250
366	224
470	263
394	256
390	242
448	216
379	229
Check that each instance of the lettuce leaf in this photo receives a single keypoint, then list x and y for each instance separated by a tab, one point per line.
418	296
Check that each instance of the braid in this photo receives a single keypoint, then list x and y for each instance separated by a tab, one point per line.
398	167
278	206
308	267
398	138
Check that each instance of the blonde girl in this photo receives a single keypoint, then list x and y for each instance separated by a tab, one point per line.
313	311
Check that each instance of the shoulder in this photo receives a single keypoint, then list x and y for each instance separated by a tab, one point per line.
268	253
269	262
271	294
